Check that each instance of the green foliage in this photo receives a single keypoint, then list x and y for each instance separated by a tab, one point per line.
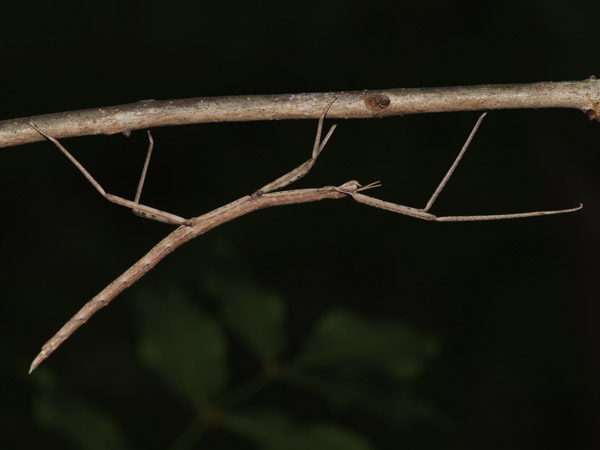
182	344
348	364
274	430
360	344
85	426
253	314
367	365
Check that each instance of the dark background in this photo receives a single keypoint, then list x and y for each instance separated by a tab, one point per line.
500	320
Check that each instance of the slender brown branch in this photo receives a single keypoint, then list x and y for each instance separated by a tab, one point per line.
583	95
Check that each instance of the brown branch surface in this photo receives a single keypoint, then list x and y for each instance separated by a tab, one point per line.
583	95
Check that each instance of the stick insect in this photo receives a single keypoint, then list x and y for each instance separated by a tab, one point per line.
267	196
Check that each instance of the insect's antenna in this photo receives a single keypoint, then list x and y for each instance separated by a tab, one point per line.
374	184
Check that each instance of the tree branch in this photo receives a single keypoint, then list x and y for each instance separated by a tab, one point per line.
583	95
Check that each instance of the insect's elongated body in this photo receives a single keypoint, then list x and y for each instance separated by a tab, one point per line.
269	195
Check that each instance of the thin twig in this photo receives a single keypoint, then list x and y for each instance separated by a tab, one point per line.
583	95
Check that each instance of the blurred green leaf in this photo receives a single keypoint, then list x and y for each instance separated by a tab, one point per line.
396	405
366	364
273	430
350	343
255	315
181	343
86	426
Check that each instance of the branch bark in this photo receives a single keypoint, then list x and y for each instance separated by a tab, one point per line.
583	95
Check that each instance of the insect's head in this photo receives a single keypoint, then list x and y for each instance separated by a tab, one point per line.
353	186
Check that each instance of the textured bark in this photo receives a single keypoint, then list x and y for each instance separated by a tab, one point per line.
583	95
